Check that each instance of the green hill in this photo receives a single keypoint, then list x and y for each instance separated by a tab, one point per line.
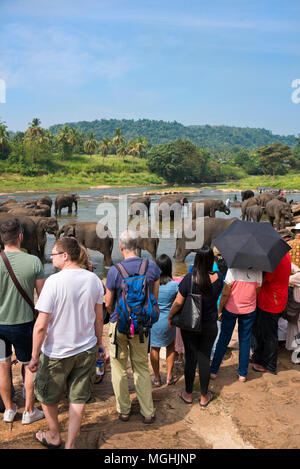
156	132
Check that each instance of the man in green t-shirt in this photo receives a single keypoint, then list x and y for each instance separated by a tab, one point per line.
16	318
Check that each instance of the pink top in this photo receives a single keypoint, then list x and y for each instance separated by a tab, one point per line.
242	299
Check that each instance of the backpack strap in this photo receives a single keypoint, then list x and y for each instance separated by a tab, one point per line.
144	266
121	269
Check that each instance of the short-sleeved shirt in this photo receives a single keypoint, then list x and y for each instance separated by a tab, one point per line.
27	268
70	297
273	294
243	296
209	302
132	265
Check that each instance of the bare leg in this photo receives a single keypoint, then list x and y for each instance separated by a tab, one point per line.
170	359
29	388
51	414
5	384
154	357
75	418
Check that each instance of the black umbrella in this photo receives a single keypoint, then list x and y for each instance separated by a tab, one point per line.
251	245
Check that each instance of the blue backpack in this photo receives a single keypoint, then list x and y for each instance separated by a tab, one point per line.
138	307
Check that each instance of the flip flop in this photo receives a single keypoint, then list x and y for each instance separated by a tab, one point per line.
156	382
44	442
261	369
172	380
209	400
184	400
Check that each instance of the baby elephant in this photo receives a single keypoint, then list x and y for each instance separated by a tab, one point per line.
254	213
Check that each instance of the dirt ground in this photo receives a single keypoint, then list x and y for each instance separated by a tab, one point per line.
262	413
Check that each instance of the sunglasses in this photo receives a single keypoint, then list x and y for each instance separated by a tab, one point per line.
56	254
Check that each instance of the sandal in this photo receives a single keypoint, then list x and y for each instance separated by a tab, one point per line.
148	420
156	382
172	380
44	442
184	400
212	396
124	417
242	379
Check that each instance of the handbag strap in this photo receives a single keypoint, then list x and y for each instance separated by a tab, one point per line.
16	281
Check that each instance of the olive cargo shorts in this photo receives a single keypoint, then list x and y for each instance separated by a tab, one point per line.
140	366
75	374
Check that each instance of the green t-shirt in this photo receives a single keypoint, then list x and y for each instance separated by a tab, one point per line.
27	268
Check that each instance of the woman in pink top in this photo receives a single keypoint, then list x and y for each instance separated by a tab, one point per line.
238	302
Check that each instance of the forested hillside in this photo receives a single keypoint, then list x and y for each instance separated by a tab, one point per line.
157	132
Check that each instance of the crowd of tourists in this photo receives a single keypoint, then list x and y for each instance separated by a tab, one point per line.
57	341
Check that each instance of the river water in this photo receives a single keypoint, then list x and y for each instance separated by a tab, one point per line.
90	200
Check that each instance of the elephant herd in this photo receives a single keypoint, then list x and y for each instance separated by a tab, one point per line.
36	219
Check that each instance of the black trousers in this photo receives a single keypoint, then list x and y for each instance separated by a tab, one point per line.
197	348
265	343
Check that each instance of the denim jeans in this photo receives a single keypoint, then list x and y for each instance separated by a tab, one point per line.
245	323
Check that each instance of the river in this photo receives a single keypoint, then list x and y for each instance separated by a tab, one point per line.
91	198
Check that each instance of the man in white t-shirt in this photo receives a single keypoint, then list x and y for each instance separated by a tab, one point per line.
68	331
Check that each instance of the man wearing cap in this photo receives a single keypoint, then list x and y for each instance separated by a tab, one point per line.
295	245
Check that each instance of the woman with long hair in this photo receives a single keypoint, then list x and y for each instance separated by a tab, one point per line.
198	345
161	335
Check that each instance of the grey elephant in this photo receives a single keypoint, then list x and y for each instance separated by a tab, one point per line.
208	229
36	211
45	225
8	201
247	194
92	235
254	212
248	203
30	241
144	208
210	208
168	205
66	200
45	200
148	241
277	212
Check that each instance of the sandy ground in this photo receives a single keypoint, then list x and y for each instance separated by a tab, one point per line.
262	413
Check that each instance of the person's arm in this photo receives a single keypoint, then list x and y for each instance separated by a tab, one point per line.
176	306
99	326
39	283
39	335
224	298
156	289
109	300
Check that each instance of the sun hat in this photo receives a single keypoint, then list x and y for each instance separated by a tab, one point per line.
297	227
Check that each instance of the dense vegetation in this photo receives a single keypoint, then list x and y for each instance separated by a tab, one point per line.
72	157
157	132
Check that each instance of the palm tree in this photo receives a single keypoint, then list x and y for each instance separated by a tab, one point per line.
122	150
35	138
104	147
65	139
118	139
90	145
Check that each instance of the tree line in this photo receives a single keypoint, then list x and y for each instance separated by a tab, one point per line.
37	150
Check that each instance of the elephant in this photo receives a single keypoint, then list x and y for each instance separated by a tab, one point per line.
277	211
147	242
45	225
8	201
210	227
66	200
210	208
254	212
168	205
247	194
92	235
36	211
45	200
144	208
248	203
264	198
30	240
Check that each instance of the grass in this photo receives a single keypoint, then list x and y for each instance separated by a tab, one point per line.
81	172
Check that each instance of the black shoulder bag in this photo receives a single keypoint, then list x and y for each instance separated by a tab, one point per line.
17	284
189	318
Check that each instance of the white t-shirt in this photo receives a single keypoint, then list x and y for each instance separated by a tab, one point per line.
70	297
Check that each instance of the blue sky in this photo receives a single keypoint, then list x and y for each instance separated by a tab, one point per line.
196	61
